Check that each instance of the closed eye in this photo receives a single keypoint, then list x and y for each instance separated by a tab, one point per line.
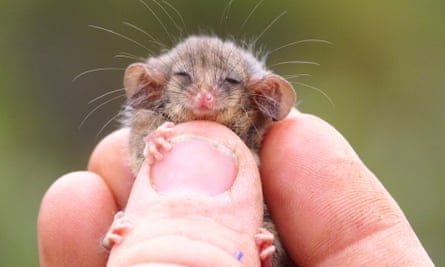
232	81
182	74
184	77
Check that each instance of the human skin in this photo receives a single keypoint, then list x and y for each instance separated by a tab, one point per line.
328	207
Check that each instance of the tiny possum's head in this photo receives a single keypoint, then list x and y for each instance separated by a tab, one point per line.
207	78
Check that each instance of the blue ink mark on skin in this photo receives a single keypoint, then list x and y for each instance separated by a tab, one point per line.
239	255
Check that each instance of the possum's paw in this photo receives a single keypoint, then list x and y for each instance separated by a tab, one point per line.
264	240
120	226
157	141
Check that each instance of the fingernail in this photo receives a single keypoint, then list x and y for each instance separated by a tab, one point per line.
194	166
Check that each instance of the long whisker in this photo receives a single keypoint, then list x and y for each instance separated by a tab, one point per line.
250	14
316	89
268	26
157	18
104	95
177	13
225	13
168	15
138	29
294	62
129	56
299	42
107	123
98	107
152	39
120	35
289	77
95	70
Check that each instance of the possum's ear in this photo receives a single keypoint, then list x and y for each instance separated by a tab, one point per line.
141	83
273	95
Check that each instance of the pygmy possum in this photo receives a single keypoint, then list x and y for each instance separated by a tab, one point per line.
203	78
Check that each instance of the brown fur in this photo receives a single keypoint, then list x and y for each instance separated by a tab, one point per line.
246	97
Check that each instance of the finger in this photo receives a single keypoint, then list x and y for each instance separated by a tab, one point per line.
199	206
74	214
110	160
329	208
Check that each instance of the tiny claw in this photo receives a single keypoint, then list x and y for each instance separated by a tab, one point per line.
110	240
264	240
156	141
267	252
264	237
120	226
154	152
163	143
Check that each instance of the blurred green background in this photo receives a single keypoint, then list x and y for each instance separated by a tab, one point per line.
383	71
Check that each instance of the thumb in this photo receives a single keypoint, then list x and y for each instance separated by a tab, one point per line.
200	205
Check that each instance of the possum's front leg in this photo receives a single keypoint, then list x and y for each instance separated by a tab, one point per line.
264	240
156	141
120	226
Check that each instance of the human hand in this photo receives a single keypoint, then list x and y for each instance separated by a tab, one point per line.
329	209
209	214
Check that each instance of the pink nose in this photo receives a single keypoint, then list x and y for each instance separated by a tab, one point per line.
204	100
